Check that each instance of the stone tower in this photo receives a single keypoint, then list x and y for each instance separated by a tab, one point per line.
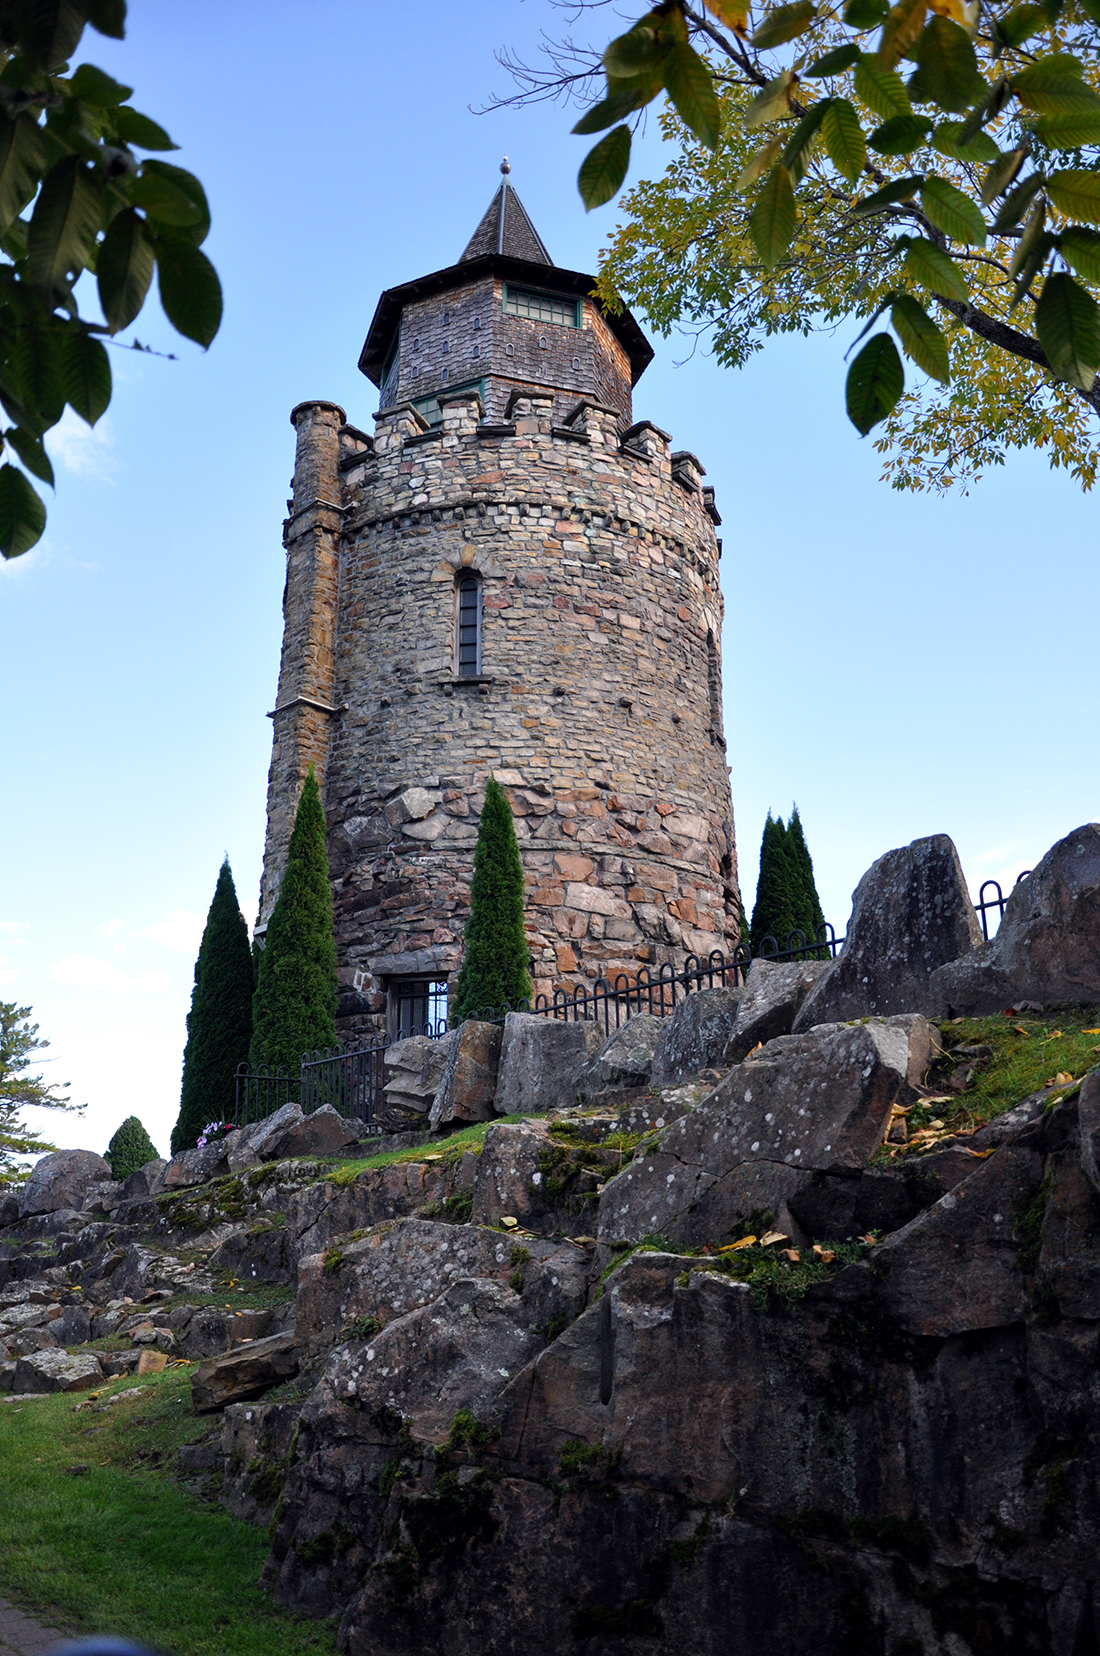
512	575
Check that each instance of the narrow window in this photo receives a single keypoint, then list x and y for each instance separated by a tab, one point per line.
714	688
468	628
510	349
417	1006
477	322
446	346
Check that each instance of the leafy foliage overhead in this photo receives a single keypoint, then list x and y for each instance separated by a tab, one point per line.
75	197
932	166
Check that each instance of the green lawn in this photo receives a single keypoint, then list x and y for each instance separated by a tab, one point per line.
121	1548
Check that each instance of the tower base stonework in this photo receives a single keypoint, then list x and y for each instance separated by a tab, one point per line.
530	592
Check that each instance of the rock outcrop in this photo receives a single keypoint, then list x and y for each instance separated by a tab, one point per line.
1047	948
911	913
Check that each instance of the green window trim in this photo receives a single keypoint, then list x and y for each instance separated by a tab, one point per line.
541	307
429	406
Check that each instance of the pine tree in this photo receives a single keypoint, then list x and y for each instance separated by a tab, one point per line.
130	1149
810	916
219	1023
773	913
294	1010
494	967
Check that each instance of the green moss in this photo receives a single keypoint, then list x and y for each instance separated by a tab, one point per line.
469	1138
456	1208
1028	1229
637	1616
390	1474
578	1457
515	1282
325	1547
267	1482
685	1554
520	1256
466	1433
361	1328
331	1260
451	1518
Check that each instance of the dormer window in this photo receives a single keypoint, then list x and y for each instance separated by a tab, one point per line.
541	307
468	627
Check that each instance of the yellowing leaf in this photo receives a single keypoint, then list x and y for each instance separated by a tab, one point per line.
507	1219
1055	1035
759	165
732	1247
1062	1079
773	1236
733	13
825	1255
1090	1032
773	101
792	1254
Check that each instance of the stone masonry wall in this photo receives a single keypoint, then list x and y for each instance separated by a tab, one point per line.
600	589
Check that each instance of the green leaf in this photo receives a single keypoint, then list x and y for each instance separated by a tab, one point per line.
902	25
1076	193
900	134
981	147
934	269
1017	202
1001	174
22	514
21	163
31	453
95	87
901	189
880	89
124	269
953	212
690	85
921	339
163	199
640	49
796	154
784	23
834	62
759	165
34	373
66	217
134	128
771	225
1070	131
843	138
189	289
1081	249
865	14
1067	320
108	16
49	31
1054	86
1018	25
773	101
604	168
947	65
628	97
1031	251
86	373
876	380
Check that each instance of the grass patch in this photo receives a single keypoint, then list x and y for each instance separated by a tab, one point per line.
470	1138
1026	1054
120	1548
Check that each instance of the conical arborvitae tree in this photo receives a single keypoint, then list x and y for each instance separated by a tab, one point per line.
130	1149
219	1024
773	912
494	965
294	1009
786	895
810	915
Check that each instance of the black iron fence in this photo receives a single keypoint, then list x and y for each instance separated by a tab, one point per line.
352	1077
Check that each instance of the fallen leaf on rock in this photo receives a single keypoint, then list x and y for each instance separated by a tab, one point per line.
731	1247
825	1255
507	1219
584	1241
792	1254
1062	1079
936	1098
868	1239
773	1236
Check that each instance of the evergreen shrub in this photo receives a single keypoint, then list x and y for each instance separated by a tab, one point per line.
495	959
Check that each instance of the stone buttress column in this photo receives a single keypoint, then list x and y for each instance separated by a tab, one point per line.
304	708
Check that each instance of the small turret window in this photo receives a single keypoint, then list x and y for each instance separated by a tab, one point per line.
468	627
541	307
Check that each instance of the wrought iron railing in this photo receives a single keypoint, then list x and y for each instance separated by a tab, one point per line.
352	1077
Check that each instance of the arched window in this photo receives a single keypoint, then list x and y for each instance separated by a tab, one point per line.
468	627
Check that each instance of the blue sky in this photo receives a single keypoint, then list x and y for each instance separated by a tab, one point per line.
900	666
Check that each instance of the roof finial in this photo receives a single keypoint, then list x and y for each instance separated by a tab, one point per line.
506	166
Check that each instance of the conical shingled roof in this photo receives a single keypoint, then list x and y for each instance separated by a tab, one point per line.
505	228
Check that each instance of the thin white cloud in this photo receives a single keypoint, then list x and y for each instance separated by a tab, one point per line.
181	931
85	972
8	973
86	451
108	928
14	929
